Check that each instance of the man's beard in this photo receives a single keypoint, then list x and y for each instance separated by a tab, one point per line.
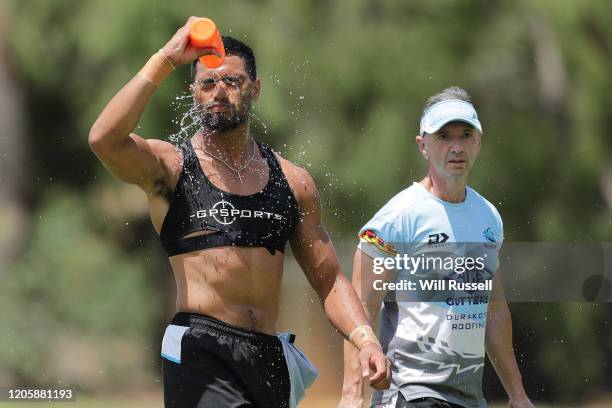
224	121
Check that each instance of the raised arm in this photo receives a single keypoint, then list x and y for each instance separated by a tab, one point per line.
128	156
316	256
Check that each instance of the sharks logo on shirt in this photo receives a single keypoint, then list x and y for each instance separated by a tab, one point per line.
489	235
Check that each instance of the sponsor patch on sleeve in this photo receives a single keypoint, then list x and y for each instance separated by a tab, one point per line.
371	238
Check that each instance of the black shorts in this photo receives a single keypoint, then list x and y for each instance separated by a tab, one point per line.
209	363
424	403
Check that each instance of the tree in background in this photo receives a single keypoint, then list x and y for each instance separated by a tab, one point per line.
343	86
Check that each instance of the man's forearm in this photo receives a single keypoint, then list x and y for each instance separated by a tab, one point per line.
500	351
343	308
121	114
352	384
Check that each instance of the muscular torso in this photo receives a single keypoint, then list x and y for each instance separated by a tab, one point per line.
238	285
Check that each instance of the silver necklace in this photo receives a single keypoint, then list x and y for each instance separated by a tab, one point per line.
237	171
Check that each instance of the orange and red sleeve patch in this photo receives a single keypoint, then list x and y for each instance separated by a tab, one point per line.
370	237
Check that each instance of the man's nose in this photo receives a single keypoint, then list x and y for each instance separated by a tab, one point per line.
220	92
457	146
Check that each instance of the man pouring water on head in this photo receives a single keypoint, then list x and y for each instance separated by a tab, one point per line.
224	206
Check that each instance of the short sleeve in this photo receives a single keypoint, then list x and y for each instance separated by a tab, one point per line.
499	233
499	224
379	237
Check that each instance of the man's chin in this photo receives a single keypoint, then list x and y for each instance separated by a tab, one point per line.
458	174
220	123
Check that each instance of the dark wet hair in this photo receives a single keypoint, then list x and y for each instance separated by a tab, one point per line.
239	49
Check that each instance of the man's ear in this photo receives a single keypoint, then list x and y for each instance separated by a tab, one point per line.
256	88
421	144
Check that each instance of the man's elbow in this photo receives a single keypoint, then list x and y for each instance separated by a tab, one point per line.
96	138
99	138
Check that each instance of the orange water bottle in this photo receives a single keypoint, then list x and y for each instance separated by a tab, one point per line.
203	33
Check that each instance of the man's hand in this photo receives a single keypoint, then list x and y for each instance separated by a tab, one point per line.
520	402
179	50
375	366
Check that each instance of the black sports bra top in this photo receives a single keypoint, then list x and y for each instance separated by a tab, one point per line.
264	219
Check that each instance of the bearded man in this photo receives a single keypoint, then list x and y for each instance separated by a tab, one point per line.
224	206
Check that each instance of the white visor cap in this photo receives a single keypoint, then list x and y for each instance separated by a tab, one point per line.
445	112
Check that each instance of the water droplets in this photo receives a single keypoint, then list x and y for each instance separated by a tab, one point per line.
189	121
259	121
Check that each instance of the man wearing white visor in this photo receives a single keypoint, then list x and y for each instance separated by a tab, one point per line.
436	343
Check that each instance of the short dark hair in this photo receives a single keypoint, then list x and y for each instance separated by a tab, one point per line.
239	49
